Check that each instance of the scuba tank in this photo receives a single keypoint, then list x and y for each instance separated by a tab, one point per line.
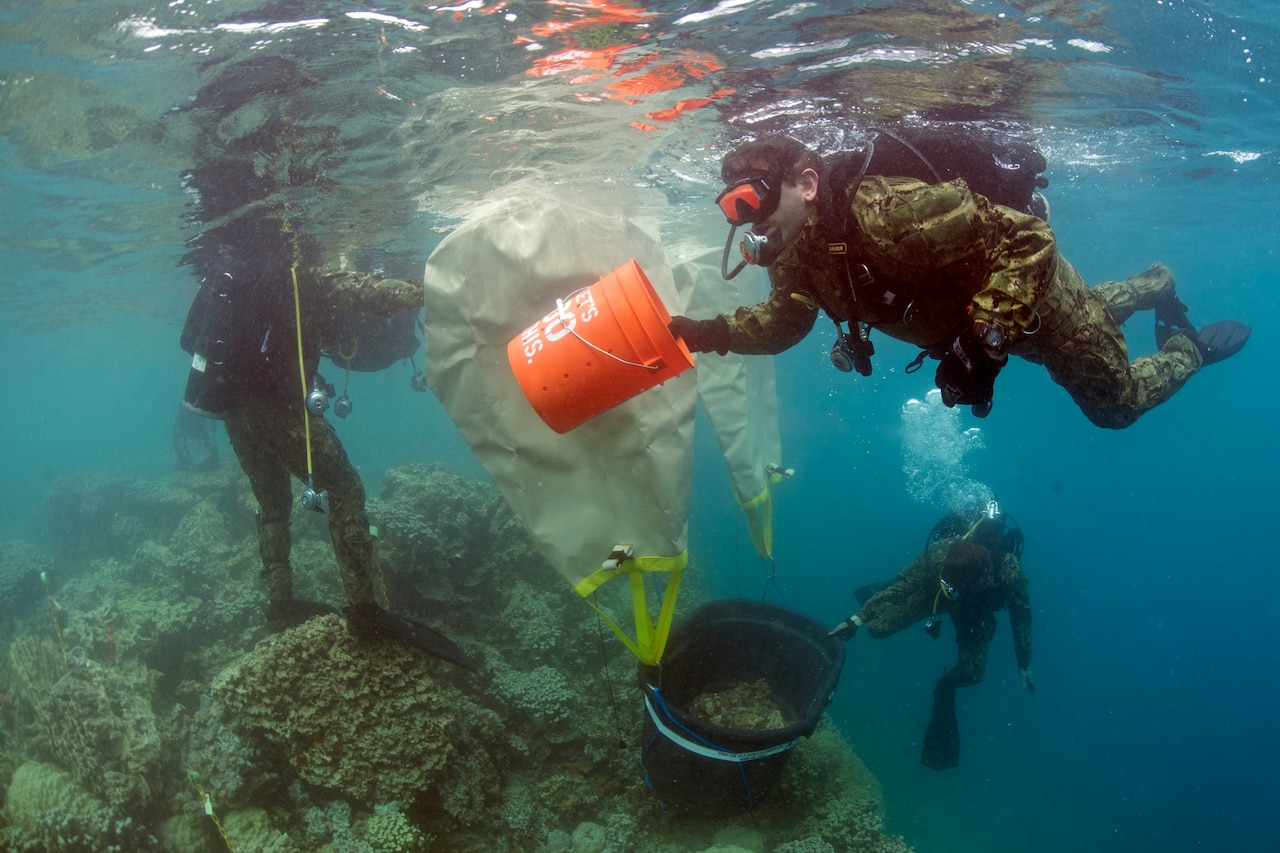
208	335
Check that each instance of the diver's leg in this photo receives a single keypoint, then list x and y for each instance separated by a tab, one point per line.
348	521
269	480
973	638
1081	344
1140	292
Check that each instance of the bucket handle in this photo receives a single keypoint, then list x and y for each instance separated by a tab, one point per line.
567	320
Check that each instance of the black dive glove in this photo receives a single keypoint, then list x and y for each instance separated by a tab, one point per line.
845	630
969	366
702	335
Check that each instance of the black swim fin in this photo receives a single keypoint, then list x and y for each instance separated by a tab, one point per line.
867	590
941	748
1216	341
292	612
370	620
1221	340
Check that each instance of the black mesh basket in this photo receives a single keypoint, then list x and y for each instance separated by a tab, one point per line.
698	766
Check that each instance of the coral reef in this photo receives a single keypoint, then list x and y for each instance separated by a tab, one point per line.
50	813
460	537
363	718
313	739
21	565
100	729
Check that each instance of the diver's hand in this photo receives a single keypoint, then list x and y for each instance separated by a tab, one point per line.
1026	680
845	630
967	371
702	335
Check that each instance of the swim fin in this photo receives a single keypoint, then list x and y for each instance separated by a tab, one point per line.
941	748
1221	340
370	620
292	612
1216	341
864	592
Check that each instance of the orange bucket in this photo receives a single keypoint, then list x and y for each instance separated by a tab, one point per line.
601	346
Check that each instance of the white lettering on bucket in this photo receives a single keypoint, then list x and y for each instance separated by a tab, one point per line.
531	342
559	323
587	298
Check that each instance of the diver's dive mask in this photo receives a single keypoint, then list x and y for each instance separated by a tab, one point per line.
749	201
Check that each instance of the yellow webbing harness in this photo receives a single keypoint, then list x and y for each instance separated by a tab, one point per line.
759	511
651	634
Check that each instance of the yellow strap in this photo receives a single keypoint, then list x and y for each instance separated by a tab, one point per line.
302	367
651	635
761	523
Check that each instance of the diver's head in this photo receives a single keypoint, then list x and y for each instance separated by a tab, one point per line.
989	527
985	523
772	185
964	564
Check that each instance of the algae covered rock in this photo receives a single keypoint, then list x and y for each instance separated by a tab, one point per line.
51	813
21	565
38	787
366	718
93	723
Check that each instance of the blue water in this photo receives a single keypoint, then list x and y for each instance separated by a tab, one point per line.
1149	549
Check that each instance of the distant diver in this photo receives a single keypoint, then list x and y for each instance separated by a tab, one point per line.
970	569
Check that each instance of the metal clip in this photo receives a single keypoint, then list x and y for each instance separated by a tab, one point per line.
619	555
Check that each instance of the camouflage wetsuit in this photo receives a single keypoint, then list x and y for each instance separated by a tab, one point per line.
937	258
267	430
983	591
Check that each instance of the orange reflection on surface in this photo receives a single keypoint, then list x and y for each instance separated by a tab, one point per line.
632	77
592	13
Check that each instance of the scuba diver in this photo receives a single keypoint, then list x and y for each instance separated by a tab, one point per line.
935	264
265	310
970	569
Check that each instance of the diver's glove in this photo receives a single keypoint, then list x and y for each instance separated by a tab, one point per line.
969	366
370	620
702	335
1025	672
845	630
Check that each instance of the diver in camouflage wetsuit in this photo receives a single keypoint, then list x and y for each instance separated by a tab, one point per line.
941	267
971	576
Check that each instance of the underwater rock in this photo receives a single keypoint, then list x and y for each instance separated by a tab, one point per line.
21	565
98	727
41	787
35	666
367	719
251	829
50	813
104	515
440	530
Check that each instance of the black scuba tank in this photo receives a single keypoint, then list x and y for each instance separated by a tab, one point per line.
208	335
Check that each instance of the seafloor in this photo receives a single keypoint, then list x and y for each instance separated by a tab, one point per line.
145	706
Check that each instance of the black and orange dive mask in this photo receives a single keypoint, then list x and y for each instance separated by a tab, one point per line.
750	201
